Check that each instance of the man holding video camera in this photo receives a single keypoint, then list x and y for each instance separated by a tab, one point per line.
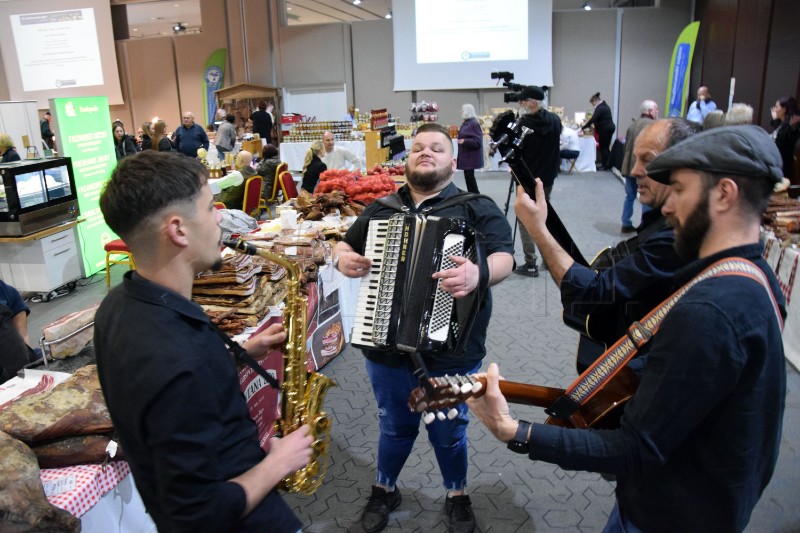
540	153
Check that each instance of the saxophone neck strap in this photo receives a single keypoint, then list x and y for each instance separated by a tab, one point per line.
639	333
240	354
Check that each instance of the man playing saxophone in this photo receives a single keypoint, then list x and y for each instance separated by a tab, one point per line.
169	381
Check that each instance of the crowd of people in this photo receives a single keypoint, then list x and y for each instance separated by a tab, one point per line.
702	309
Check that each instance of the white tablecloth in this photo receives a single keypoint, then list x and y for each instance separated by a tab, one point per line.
294	153
586	159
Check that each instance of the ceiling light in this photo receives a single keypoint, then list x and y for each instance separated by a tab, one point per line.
587	6
388	15
178	27
356	2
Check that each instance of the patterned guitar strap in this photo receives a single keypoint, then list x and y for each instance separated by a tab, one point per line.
615	358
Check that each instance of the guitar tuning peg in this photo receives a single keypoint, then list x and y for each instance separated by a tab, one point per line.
477	387
452	413
421	407
440	416
428	417
466	388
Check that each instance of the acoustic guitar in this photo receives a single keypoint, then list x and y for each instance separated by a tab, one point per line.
601	411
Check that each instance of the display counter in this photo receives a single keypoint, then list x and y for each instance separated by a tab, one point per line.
784	261
42	261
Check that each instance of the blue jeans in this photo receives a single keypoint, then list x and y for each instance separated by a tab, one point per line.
630	197
618	523
399	427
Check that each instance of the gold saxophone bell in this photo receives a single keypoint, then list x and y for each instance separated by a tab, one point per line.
303	392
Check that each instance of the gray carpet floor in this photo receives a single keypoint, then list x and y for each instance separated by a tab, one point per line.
528	340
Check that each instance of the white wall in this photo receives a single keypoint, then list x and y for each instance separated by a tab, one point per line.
584	54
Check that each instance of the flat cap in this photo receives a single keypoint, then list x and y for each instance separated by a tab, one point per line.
531	92
746	151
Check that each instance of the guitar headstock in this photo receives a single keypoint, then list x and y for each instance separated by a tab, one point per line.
448	391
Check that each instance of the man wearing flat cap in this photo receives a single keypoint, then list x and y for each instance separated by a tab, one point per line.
698	441
541	150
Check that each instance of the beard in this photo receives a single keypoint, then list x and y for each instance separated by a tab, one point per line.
428	180
689	237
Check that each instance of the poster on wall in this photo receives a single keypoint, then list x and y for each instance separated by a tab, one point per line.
679	69
83	131
213	80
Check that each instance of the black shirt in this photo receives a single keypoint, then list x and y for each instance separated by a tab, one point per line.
486	218
541	147
262	124
311	175
699	440
173	393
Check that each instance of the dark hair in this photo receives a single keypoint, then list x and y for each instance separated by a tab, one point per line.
595	96
679	129
262	105
754	192
433	127
145	183
790	105
47	113
269	151
230	118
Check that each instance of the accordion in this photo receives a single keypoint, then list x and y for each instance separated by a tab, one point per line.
400	307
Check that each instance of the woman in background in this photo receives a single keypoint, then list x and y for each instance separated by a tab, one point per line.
7	150
714	119
160	140
786	121
313	166
124	145
604	125
270	159
470	147
146	136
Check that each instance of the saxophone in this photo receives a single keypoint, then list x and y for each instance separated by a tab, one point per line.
302	392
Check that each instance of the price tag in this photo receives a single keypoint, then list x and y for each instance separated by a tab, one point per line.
59	486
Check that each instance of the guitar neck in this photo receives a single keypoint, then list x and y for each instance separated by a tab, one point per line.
524	394
554	224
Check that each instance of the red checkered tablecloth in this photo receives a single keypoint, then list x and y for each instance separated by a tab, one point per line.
90	483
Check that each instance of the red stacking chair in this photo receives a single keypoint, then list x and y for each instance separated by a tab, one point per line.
117	253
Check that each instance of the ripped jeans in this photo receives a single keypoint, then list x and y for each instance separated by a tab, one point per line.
399	427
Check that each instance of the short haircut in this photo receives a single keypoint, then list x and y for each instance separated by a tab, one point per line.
739	114
269	151
433	127
262	105
754	192
468	110
144	184
647	106
679	129
5	141
230	118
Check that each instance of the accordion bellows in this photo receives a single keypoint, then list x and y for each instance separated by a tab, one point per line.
400	306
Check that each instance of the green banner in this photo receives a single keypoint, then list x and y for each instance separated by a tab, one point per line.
679	69
213	80
83	130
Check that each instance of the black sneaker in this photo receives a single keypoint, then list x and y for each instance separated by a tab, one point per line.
460	518
628	229
376	513
529	270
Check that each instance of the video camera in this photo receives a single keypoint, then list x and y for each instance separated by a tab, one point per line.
506	76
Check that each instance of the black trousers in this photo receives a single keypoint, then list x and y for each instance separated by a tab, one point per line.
469	177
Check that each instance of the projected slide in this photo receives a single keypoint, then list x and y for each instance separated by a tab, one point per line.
450	31
57	49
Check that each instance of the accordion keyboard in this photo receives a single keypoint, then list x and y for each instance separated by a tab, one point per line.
370	285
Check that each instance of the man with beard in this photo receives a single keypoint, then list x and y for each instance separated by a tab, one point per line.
169	381
698	441
640	273
429	172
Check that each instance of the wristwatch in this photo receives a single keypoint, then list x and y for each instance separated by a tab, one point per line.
519	443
